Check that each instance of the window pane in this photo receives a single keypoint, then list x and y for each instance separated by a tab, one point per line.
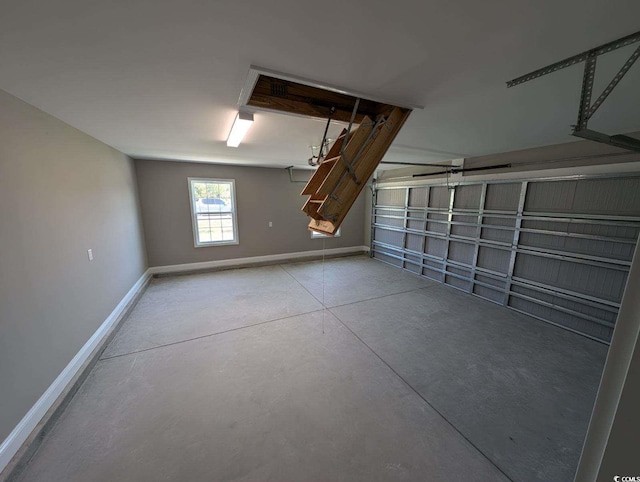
214	211
214	227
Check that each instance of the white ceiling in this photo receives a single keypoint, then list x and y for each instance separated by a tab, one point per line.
161	79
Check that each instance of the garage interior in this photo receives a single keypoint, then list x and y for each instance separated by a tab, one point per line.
416	265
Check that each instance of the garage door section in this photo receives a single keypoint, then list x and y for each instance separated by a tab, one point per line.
558	250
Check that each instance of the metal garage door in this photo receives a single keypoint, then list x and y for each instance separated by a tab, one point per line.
558	250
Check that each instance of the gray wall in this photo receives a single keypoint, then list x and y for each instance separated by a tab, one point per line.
61	192
621	453
262	195
569	158
569	154
611	445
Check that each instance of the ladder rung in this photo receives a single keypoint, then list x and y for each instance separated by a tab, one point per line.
331	187
332	159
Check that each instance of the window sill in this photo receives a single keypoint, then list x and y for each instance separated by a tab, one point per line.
211	245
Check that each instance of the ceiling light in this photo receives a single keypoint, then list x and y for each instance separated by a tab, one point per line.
240	127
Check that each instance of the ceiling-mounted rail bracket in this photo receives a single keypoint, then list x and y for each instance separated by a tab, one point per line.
586	109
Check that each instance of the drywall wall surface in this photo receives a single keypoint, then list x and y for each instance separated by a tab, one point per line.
61	193
611	444
567	159
621	454
570	154
262	195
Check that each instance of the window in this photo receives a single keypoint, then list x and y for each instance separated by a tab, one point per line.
315	234
213	211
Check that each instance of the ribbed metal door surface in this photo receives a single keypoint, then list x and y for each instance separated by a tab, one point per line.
558	250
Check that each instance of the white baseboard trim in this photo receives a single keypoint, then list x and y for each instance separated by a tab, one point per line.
30	421
254	260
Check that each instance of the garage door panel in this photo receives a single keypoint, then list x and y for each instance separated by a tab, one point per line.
494	259
574	323
467	197
557	250
461	252
595	281
502	197
598	311
394	238
415	220
395	222
550	197
413	242
391	197
435	246
439	197
464	225
498	235
618	197
418	197
491	294
575	245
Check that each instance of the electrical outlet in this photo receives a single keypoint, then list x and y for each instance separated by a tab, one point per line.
270	224
90	254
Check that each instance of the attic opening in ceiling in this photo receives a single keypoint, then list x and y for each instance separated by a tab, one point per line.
282	95
353	157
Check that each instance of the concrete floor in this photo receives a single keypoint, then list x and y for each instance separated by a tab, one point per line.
229	376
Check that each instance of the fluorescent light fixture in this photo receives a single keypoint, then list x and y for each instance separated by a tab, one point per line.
240	127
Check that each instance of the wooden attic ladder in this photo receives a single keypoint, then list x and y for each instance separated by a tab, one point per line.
342	175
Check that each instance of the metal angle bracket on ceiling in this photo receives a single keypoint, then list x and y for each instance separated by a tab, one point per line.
586	108
291	179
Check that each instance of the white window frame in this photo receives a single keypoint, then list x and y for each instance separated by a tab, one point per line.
317	235
234	212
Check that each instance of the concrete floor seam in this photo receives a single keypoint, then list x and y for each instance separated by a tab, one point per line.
324	307
359	301
429	383
424	399
205	336
400	376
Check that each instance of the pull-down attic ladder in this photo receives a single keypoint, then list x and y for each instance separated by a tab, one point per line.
353	157
340	178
